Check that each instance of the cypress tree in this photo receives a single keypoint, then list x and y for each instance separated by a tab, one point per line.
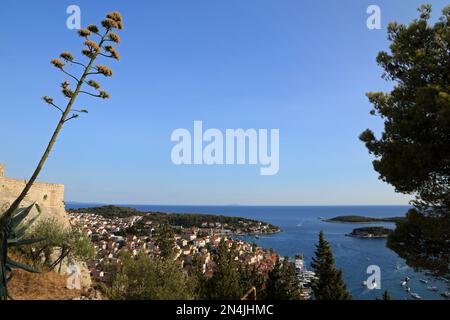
282	283
275	286
225	282
197	277
330	284
165	239
250	277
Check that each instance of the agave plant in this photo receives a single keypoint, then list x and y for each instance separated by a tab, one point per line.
16	231
101	48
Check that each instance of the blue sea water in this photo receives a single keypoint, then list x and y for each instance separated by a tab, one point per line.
300	227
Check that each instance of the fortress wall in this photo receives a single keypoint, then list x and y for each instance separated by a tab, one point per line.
50	197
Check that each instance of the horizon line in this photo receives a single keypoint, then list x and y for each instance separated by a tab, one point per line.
240	205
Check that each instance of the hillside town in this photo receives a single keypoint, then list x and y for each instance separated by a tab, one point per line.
110	237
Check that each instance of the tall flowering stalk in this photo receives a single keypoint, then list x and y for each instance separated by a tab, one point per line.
102	46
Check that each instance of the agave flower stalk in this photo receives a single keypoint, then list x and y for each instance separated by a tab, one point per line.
93	50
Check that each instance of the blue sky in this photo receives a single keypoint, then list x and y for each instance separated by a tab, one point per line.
302	67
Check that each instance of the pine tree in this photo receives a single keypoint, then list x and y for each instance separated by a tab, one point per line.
165	240
197	277
251	278
330	284
412	153
282	282
225	282
276	288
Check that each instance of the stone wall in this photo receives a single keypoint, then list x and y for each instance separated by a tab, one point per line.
50	197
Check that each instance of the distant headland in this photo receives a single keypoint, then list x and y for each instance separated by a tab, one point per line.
221	224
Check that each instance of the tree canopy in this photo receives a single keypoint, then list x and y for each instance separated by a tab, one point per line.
329	284
413	151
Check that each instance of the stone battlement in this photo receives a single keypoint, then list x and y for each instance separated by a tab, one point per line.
50	197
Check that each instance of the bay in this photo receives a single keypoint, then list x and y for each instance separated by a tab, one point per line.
300	227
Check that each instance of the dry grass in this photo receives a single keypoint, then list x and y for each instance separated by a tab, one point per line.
39	286
42	286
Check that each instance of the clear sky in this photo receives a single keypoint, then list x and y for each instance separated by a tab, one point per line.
300	66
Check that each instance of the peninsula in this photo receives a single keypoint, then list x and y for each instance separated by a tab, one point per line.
219	223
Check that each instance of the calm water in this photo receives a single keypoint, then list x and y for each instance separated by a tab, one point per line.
301	226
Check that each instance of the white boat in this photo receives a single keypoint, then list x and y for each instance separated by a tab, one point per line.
304	276
423	281
403	283
416	296
408	289
432	288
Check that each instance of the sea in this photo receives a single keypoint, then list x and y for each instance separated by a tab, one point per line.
300	228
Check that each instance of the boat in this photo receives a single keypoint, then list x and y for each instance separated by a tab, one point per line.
403	283
432	288
304	276
416	296
407	279
364	283
423	281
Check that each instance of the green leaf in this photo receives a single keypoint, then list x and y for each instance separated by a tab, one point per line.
19	242
17	265
20	232
20	216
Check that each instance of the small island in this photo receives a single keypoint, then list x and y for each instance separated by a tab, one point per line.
362	219
370	232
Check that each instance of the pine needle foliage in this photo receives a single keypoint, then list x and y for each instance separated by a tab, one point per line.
330	283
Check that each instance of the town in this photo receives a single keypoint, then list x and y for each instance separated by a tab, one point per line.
117	229
109	237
